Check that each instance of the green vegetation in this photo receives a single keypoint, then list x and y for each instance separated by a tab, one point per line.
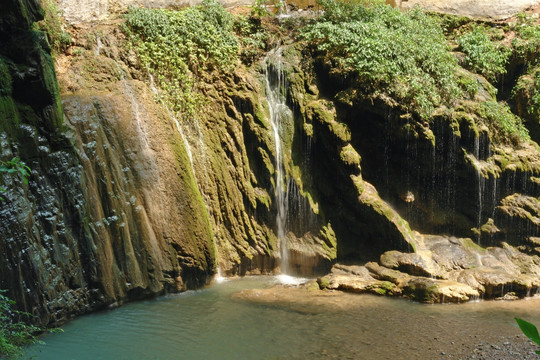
14	334
179	47
508	125
528	86
14	166
252	36
526	43
260	8
52	25
483	55
529	330
402	53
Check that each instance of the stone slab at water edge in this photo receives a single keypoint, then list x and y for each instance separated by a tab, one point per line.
443	269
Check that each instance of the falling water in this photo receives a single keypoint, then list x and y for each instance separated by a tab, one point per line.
142	129
176	122
219	278
135	109
200	148
274	84
98	46
480	181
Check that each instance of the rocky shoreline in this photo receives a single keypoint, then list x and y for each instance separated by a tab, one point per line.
443	269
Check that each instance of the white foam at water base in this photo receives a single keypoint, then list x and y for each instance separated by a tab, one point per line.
290	280
218	278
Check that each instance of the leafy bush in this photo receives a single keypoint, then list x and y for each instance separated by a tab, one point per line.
508	125
483	55
527	40
52	25
253	37
178	46
528	87
14	334
402	53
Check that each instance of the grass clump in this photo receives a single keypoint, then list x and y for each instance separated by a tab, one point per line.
179	47
404	54
482	55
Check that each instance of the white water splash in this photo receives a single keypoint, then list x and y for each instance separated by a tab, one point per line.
219	278
285	279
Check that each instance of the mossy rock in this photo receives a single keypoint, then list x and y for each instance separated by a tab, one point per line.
324	282
349	155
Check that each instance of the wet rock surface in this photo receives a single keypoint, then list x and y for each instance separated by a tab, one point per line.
443	269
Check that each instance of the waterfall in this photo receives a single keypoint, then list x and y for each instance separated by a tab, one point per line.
155	91
480	182
276	97
98	46
147	149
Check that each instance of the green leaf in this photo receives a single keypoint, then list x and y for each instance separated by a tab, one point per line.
529	330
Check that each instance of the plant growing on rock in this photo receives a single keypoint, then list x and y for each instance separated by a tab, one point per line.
404	54
52	25
484	56
179	47
526	43
508	125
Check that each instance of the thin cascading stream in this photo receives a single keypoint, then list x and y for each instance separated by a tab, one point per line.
279	111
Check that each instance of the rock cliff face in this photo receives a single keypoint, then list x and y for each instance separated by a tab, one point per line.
483	9
101	220
126	201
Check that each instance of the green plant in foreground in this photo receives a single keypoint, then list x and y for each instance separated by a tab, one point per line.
14	334
530	331
14	166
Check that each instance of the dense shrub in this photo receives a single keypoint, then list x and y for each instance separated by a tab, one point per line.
528	88
482	55
402	53
177	46
527	40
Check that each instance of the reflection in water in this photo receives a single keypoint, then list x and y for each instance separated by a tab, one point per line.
211	324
